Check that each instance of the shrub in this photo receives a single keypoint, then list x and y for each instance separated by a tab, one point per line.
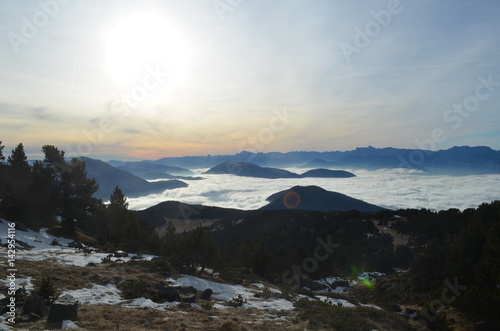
228	326
237	301
47	290
87	251
137	288
106	259
320	314
207	305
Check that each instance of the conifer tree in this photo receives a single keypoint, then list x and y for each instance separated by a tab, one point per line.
18	178
76	190
170	239
53	155
2	178
44	196
116	213
18	159
118	199
2	158
196	250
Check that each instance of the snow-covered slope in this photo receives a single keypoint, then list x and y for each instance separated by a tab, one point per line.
36	246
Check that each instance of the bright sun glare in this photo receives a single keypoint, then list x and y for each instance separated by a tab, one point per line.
141	41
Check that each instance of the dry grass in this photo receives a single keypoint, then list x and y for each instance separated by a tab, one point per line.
72	278
107	317
103	317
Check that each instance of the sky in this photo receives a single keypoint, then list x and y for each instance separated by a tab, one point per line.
149	79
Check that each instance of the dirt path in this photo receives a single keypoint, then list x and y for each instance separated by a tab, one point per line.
398	238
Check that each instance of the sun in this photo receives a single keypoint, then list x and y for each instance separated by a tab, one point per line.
139	43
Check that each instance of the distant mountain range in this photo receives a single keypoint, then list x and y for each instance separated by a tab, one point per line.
316	198
247	169
454	161
108	177
148	170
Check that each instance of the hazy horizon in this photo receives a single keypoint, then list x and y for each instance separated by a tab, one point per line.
124	158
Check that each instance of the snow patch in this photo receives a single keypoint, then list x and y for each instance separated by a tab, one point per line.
227	292
337	302
21	282
147	303
331	284
98	294
370	306
67	324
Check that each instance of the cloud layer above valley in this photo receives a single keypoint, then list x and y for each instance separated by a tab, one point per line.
393	189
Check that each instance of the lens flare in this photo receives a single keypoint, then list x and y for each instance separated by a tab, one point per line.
365	280
368	283
291	200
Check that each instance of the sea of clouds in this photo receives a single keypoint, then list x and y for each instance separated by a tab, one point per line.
394	189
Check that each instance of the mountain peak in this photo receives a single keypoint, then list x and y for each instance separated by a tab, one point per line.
316	198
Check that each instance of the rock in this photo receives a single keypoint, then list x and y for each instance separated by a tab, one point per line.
110	255
35	304
76	244
3	305
188	298
24	245
396	308
64	308
313	286
91	264
55	242
206	294
187	290
169	294
21	227
339	283
409	311
121	254
20	294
